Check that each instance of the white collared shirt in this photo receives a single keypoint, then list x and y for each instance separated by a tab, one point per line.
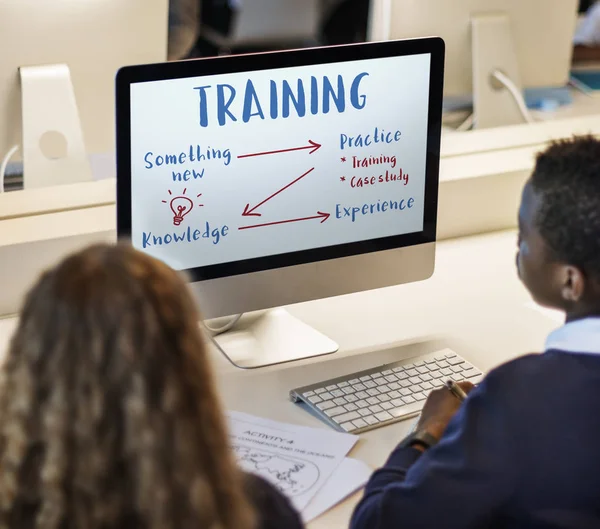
580	336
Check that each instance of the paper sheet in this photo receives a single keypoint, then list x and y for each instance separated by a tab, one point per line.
350	476
295	459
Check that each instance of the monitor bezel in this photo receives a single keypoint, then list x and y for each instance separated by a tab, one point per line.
432	46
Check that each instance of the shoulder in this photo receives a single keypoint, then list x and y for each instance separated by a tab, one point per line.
273	509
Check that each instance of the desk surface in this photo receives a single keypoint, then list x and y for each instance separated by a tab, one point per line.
474	303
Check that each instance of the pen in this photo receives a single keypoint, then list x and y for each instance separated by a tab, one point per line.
456	390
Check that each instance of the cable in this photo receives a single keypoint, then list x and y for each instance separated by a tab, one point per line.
228	326
515	92
4	165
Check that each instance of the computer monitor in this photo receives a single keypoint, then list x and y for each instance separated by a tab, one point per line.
280	178
57	71
529	43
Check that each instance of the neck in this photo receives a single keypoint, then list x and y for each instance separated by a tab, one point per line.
583	313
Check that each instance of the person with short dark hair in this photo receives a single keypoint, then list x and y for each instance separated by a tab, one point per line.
521	452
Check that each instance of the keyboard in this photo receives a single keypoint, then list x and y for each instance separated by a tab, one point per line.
376	397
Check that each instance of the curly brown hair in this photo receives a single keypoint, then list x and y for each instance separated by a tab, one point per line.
109	417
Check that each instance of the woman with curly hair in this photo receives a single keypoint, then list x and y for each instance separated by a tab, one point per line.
109	416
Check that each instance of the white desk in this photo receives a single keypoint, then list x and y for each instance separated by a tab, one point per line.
474	303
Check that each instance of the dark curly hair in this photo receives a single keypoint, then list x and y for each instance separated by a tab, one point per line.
109	417
566	179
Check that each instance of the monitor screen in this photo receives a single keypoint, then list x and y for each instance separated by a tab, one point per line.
240	164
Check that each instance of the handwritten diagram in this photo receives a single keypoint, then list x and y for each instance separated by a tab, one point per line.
291	476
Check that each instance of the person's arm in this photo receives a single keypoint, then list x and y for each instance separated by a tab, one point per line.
273	509
462	482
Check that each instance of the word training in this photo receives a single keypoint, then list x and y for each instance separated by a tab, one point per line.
366	140
368	161
187	235
353	212
278	100
195	153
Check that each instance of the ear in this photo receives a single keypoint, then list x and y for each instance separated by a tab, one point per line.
573	284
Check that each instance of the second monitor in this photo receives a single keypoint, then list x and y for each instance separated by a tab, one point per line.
286	177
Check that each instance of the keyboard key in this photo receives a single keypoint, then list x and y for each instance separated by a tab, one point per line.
309	394
373	400
423	369
430	361
450	355
359	387
362	403
332	387
397	403
419	395
384	398
362	395
332	412
456	361
376	409
414	380
364	412
326	396
370	384
360	423
443	364
436	374
387	372
440	358
406	410
471	373
402	376
476	379
315	399
394	394
349	390
351	398
348	426
387	405
343	384
419	363
383	416
412	372
408	399
405	392
373	392
406	383
350	416
325	405
427	386
353	381
384	388
340	401
371	420
394	386
351	407
456	369
363	379
319	391
398	369
337	393
426	377
447	372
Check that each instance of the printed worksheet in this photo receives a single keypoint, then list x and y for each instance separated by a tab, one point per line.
295	459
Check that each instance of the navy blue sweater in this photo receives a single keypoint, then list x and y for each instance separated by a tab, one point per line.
522	452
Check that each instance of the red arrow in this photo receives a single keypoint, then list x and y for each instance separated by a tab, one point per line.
249	212
313	146
320	215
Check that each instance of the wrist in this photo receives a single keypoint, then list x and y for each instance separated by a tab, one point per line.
420	440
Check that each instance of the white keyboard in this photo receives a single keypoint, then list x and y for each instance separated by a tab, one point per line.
384	395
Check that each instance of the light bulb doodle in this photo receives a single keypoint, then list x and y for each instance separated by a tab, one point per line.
181	205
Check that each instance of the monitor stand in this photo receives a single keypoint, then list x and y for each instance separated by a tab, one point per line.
53	147
271	337
493	51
